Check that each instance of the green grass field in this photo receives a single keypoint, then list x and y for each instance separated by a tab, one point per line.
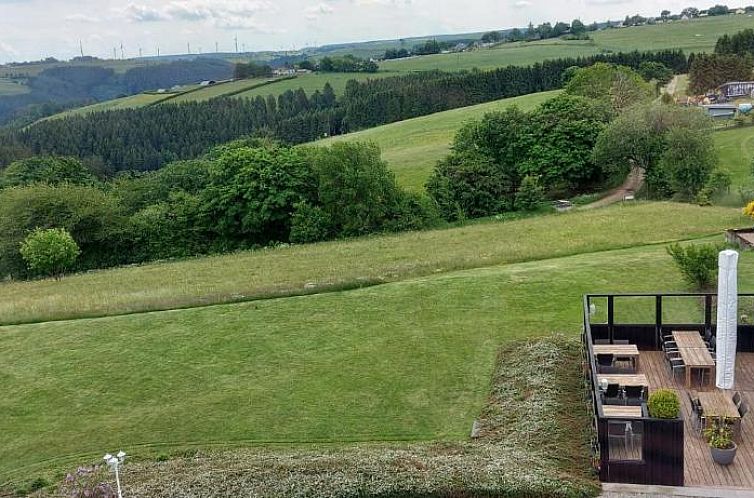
217	90
413	147
698	35
310	83
735	149
133	101
326	266
11	88
408	360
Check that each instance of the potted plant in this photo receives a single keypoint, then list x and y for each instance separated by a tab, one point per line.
719	436
664	403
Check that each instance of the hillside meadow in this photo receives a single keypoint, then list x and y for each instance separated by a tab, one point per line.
312	268
404	361
413	147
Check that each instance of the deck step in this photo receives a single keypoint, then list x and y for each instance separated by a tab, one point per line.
614	490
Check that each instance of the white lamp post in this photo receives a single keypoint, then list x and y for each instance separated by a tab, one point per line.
114	462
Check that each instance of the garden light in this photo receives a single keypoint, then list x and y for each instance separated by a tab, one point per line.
114	463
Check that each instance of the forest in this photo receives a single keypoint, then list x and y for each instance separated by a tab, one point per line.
147	138
75	85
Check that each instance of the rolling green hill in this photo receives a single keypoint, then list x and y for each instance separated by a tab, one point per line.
413	147
10	87
407	360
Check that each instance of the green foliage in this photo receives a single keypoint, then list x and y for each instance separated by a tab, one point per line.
49	252
664	403
689	158
655	71
355	189
251	70
309	224
561	135
93	218
530	194
621	86
719	434
640	136
252	192
346	64
740	43
697	263
708	71
46	169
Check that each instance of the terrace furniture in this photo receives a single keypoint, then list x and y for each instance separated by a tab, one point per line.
633	395
624	380
717	404
676	364
612	394
602	341
697	359
743	409
621	341
618	353
737	398
669	346
688	339
619	411
604	360
697	413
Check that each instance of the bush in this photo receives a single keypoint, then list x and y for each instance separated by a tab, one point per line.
664	403
49	170
92	217
530	194
697	263
309	224
49	252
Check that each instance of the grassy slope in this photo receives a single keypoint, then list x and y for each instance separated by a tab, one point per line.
217	90
735	148
311	82
406	360
11	88
692	36
413	147
338	264
138	100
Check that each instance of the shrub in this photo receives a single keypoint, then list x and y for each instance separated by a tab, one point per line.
719	434
46	169
697	263
530	194
49	252
664	403
91	216
309	224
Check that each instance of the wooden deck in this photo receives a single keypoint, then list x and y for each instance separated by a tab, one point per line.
700	470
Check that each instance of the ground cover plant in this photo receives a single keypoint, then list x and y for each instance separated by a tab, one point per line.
353	263
533	441
403	361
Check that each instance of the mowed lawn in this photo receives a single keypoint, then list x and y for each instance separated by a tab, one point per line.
413	147
365	261
736	149
407	360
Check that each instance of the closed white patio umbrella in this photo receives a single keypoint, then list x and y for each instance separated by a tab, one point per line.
727	318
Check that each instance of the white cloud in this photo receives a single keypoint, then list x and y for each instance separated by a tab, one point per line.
82	18
7	50
142	13
224	14
522	4
316	11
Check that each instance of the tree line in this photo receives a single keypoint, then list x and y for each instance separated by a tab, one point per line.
241	195
578	142
147	138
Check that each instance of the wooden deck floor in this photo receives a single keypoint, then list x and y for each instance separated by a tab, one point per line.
700	470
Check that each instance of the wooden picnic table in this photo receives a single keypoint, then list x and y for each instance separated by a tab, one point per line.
624	380
694	353
619	351
688	339
718	404
619	411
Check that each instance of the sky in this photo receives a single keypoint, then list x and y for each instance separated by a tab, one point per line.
33	29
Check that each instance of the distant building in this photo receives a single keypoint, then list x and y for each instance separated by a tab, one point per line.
734	89
284	72
740	12
207	83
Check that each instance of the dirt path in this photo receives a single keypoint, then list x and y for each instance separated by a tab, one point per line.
633	183
672	86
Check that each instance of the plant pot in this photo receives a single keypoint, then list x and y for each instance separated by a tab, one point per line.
724	457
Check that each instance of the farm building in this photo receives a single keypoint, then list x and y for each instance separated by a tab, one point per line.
735	89
722	111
